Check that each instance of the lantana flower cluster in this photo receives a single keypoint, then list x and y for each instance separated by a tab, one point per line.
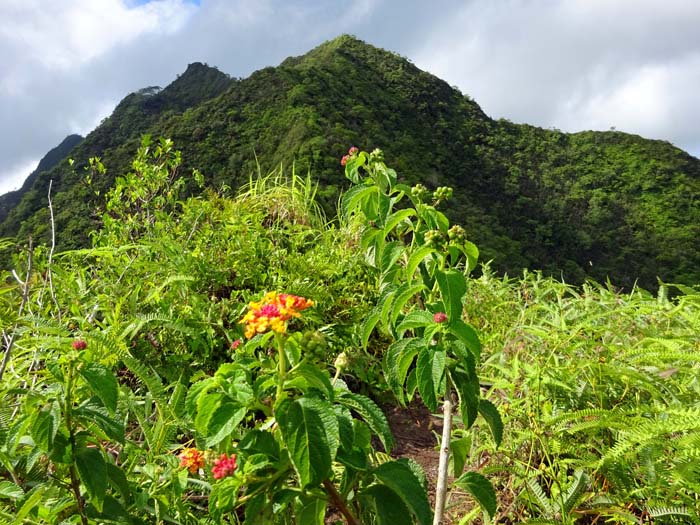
351	152
193	460
273	312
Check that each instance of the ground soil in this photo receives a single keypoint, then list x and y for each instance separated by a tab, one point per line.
416	432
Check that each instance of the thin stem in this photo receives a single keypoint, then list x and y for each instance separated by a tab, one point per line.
281	366
339	503
68	411
441	489
25	296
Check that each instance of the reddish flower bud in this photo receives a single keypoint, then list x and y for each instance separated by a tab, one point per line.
79	344
353	151
440	317
236	344
344	160
224	466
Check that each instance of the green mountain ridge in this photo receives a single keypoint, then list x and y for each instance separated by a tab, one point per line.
55	155
589	204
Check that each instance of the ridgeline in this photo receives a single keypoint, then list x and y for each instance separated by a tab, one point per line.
604	205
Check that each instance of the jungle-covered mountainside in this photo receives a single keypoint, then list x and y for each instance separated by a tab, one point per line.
10	199
590	204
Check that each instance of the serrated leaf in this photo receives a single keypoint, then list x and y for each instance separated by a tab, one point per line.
490	413
388	506
207	405
481	489
403	295
414	319
223	421
459	452
396	217
194	392
94	413
399	357
310	432
416	258
345	427
310	510
369	324
92	470
403	482
390	254
453	287
371	414
103	384
430	372
313	377
45	426
352	198
10	491
30	503
467	335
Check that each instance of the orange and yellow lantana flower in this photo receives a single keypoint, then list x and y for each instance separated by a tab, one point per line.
273	312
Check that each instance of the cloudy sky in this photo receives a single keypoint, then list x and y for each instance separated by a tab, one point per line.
570	64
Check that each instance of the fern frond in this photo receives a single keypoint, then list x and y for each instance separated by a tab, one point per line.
573	494
541	498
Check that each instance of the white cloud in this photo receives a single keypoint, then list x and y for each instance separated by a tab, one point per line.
60	36
571	64
578	64
16	175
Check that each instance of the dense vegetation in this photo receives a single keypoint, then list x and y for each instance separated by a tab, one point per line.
602	205
134	394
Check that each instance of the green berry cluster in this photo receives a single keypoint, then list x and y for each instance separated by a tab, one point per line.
441	194
457	234
420	193
314	345
435	238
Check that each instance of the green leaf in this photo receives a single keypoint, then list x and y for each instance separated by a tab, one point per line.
413	320
307	376
396	218
466	333
92	470
30	503
345	426
490	413
103	383
453	287
403	295
403	482
311	510
390	254
369	323
353	198
223	421
416	258
96	414
207	405
388	506
430	372
481	489
310	431
399	357
9	490
45	426
371	414
459	452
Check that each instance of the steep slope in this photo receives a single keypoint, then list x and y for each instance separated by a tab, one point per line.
586	204
11	199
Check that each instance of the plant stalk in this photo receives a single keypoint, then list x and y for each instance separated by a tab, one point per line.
441	489
281	367
339	503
